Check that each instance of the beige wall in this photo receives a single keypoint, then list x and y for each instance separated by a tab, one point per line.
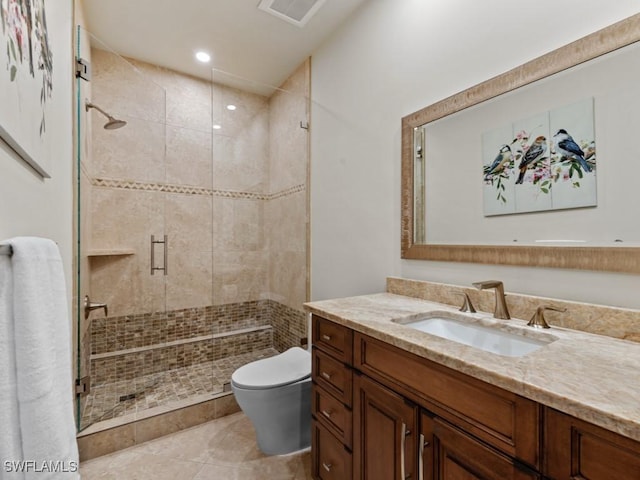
218	194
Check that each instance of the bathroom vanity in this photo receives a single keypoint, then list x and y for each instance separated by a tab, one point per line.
391	402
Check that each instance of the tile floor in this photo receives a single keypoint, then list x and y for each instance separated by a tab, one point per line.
223	449
159	389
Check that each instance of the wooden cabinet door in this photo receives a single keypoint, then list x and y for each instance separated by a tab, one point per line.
385	430
578	450
451	454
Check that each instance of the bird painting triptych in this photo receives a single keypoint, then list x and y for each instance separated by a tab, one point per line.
544	162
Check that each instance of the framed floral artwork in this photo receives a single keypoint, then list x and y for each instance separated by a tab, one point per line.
26	80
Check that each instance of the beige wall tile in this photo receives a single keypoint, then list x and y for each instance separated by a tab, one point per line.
238	225
171	422
188	101
107	441
123	90
188	222
226	405
286	218
288	142
190	279
133	152
127	219
246	271
188	160
287	278
241	162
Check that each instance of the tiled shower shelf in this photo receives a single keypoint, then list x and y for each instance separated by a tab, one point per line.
180	342
107	252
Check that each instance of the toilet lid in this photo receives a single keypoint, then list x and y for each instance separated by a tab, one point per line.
288	367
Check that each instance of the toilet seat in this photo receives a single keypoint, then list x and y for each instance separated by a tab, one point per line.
285	368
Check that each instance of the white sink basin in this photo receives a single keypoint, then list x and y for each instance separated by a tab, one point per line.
487	338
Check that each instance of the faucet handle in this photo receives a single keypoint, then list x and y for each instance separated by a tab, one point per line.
538	321
467	306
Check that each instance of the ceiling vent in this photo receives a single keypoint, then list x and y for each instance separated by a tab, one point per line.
297	12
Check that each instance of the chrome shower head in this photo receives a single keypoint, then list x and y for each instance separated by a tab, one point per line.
112	123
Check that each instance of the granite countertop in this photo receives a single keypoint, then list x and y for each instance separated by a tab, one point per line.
592	377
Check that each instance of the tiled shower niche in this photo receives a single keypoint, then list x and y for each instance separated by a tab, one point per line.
151	360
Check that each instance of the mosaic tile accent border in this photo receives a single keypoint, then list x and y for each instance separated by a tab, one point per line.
191	190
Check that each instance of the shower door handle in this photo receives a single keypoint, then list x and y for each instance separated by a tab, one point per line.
165	243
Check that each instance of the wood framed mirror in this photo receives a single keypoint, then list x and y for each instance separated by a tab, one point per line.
617	250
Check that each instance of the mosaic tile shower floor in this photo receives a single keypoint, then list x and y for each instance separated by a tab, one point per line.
126	397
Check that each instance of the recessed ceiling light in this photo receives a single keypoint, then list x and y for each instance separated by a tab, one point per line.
217	127
203	57
231	107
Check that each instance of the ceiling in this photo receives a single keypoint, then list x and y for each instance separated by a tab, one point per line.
243	41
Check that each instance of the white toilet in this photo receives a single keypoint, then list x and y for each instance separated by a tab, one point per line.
275	393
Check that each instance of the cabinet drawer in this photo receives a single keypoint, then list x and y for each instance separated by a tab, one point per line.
577	449
332	375
502	419
330	460
333	338
330	412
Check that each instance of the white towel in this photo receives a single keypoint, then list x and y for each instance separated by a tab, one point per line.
10	441
45	438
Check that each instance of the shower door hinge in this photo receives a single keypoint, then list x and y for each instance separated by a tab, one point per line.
83	385
83	69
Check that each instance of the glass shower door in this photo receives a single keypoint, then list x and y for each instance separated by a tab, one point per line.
120	173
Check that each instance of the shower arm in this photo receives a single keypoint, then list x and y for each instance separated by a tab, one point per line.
88	105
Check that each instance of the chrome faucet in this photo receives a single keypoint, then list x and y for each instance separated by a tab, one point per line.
501	310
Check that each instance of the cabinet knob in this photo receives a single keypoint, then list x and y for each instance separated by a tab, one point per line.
326	375
326	338
327	466
326	414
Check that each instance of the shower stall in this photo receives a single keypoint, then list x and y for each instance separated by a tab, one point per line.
192	228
